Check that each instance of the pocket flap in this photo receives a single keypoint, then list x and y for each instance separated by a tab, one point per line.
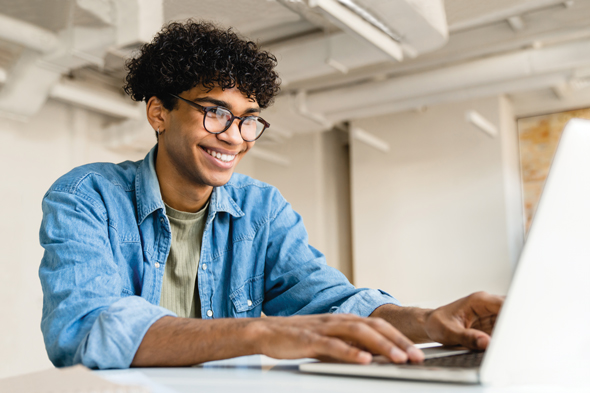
249	295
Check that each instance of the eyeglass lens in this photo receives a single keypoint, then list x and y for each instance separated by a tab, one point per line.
218	119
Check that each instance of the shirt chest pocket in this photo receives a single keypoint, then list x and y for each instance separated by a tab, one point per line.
249	297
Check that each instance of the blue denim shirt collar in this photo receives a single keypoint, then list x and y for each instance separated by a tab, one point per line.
149	198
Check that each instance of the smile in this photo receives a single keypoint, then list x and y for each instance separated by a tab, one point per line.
221	157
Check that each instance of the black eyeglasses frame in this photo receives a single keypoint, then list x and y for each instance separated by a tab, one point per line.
206	109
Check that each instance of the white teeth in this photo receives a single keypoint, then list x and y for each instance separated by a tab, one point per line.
221	157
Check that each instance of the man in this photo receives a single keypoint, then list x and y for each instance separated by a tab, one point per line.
171	260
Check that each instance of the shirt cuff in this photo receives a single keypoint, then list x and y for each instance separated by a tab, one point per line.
365	302
117	333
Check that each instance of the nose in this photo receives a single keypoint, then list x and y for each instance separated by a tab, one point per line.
232	135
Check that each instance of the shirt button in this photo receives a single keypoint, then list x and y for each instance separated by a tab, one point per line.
209	313
157	265
249	302
204	266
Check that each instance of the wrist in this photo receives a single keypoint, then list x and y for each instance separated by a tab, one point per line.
254	334
422	315
411	321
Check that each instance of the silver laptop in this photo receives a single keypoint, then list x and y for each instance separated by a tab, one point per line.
542	335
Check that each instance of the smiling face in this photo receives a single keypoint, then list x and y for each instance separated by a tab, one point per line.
189	153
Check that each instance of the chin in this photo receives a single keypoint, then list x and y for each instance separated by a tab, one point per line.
218	181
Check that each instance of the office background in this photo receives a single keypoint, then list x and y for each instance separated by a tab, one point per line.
407	173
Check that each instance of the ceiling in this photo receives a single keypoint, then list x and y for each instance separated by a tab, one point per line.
489	44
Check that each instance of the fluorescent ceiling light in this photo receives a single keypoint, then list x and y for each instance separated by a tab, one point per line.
370	140
481	122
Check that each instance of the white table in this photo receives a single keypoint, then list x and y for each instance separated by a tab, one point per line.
261	374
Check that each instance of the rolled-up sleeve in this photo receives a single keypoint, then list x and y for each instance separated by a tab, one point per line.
297	278
87	318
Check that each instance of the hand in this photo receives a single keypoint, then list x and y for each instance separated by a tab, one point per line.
468	321
341	337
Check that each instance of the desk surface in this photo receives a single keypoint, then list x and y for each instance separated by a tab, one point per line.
261	374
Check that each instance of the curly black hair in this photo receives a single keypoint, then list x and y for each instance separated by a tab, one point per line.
184	55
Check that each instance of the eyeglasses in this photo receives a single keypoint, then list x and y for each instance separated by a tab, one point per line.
218	119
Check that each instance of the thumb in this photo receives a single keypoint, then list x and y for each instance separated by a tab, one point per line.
474	339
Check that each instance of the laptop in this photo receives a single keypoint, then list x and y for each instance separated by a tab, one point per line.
542	335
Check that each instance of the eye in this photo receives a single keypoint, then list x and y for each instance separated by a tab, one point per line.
219	113
250	121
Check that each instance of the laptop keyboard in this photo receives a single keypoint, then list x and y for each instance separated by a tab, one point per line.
471	359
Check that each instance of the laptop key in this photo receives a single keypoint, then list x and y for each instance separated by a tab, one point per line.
466	360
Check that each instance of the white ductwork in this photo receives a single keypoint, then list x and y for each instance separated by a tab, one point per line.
303	110
347	102
518	8
137	21
108	103
317	57
49	56
26	88
455	95
396	27
505	74
356	25
27	35
421	24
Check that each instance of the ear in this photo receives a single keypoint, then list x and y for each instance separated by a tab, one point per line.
157	115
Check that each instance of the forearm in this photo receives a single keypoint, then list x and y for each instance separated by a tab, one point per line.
172	341
411	321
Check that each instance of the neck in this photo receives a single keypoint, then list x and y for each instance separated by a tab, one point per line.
177	192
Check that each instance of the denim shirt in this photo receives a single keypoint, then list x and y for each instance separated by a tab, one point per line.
106	239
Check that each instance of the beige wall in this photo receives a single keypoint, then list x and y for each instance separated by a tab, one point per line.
32	156
316	183
430	217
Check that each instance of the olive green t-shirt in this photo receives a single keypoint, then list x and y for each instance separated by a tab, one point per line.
180	293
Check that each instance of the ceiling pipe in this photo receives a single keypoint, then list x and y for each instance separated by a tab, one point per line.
503	14
516	23
303	110
108	103
475	92
499	69
28	35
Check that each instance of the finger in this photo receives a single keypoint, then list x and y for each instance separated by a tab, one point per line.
363	335
482	304
473	339
485	324
395	336
334	348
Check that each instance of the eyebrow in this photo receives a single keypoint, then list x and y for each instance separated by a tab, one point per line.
225	104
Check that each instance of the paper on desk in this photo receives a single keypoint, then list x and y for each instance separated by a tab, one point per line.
76	379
